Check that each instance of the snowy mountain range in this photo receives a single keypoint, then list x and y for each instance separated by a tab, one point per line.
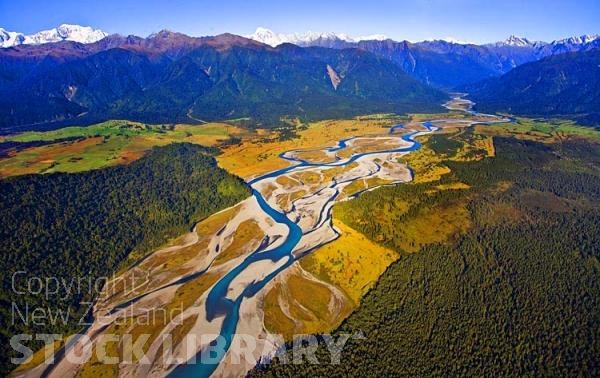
330	39
87	34
310	38
65	32
572	41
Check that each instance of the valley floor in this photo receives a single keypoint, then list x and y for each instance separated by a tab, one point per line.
295	257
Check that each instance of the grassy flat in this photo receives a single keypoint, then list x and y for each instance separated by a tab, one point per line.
260	155
547	131
352	262
79	149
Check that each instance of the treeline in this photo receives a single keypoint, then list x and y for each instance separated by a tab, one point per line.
516	295
84	225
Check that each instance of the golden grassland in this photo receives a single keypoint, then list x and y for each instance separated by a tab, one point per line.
268	190
316	156
189	292
39	356
357	185
286	181
119	141
67	154
486	144
363	184
307	177
429	225
96	367
377	181
180	332
204	228
449	186
285	201
426	164
275	320
260	155
352	262
352	188
307	303
434	225
247	236
313	299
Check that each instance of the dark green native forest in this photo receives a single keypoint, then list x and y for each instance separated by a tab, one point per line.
85	225
518	294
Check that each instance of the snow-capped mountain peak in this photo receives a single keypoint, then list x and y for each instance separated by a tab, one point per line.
580	40
372	37
513	40
8	38
269	37
266	36
64	32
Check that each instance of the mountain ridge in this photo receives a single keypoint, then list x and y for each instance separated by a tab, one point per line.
88	34
168	76
171	77
64	32
559	85
311	38
438	63
448	64
307	39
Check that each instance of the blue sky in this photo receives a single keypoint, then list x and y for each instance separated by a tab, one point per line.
470	20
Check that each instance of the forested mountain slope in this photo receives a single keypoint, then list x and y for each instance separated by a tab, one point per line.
561	85
174	78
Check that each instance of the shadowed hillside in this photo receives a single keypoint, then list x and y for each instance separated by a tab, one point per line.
561	85
170	77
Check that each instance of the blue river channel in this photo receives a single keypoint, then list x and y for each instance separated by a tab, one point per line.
217	303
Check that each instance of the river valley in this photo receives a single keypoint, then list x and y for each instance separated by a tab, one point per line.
215	278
